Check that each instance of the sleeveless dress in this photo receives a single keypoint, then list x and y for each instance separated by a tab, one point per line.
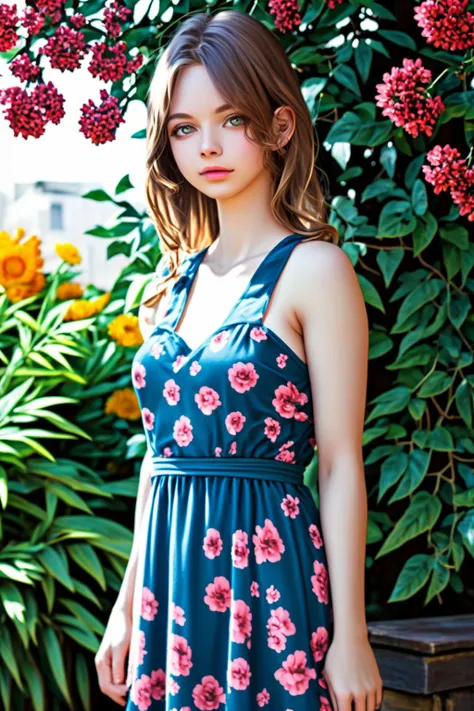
232	600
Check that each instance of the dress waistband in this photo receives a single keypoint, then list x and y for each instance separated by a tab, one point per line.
251	467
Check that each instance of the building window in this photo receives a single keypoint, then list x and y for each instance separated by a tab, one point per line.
56	216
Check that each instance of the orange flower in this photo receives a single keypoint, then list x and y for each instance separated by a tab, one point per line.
125	331
101	301
69	290
68	252
19	263
124	404
79	309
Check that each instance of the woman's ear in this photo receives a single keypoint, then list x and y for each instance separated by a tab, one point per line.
284	124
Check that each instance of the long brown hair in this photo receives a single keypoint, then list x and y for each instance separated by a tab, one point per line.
251	71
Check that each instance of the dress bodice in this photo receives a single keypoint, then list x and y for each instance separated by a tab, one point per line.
243	392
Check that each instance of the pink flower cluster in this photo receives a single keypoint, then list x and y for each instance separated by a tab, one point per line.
446	24
449	171
405	100
286	14
29	113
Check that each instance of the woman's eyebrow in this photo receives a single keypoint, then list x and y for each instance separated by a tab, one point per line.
219	110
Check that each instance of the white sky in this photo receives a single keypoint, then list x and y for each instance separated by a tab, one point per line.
63	153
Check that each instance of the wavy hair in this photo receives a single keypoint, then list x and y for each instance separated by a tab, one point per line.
251	71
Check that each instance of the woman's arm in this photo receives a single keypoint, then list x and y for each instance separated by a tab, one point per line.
331	310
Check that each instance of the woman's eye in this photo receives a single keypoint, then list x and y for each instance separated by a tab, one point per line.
174	132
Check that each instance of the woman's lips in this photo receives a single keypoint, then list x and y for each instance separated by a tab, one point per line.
214	174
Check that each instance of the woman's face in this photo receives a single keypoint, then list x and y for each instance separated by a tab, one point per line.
205	138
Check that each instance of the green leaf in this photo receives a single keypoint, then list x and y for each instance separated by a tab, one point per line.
86	558
52	649
391	471
425	230
416	470
82	681
396	219
424	293
397	37
389	260
84	637
363	60
34	682
5	687
8	656
123	185
414	575
419	198
370	293
439	578
55	566
420	516
98	196
464	402
390	402
3	487
436	383
9	401
15	608
84	617
69	496
346	76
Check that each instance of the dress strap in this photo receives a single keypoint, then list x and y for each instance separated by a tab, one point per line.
179	290
253	303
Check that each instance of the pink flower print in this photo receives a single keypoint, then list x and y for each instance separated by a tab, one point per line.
180	656
178	362
173	686
177	614
240	550
141	692
148	418
294	675
254	591
268	545
258	334
285	455
263	697
171	392
156	350
141	646
272	428
241	625
212	543
208	694
194	368
312	442
315	536
207	400
272	594
234	422
218	341
238	674
320	582
158	684
182	431
249	643
217	451
319	643
325	705
279	627
139	375
322	682
218	594
301	416
281	360
243	376
233	448
290	506
286	398
149	605
167	452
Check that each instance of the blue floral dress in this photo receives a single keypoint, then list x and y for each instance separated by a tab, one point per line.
233	604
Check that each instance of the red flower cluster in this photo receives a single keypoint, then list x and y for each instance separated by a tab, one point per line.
99	123
450	172
23	68
332	3
405	101
113	15
110	63
65	48
52	8
28	114
446	24
286	14
8	25
32	21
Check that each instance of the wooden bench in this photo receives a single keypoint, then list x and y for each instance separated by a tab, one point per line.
427	664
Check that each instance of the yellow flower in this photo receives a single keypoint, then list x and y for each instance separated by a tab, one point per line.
68	252
69	290
79	309
19	262
124	329
101	301
123	403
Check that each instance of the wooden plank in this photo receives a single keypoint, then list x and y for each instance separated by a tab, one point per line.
460	701
419	674
426	635
396	701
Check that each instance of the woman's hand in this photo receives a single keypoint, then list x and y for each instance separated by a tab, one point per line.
110	657
352	675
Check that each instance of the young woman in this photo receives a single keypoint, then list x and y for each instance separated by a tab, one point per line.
239	592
